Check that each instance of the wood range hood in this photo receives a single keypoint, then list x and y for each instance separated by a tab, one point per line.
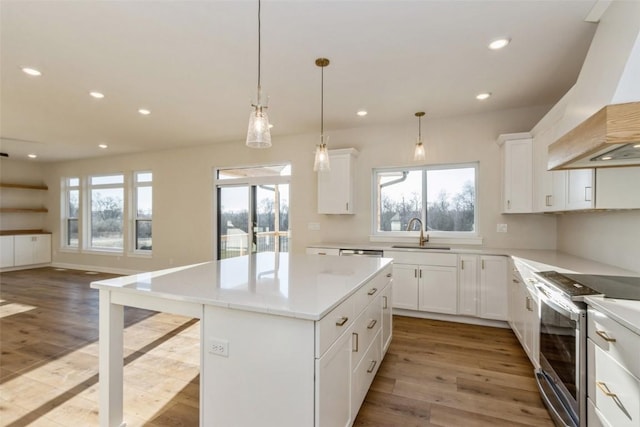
609	138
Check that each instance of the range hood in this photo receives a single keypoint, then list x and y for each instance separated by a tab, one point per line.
609	138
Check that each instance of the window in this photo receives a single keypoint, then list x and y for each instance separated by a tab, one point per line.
443	197
252	210
143	209
71	210
106	199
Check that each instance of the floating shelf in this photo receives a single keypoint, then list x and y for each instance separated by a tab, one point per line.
23	210
24	186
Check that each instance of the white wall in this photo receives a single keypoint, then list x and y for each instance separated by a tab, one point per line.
183	191
21	172
609	237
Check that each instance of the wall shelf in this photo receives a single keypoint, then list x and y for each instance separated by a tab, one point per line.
23	186
24	210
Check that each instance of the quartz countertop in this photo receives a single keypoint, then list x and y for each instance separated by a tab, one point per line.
300	286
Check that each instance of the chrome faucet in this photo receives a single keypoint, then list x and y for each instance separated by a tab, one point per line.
423	240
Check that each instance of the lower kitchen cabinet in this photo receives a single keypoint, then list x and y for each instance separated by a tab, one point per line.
30	249
613	372
6	251
438	289
483	286
334	384
405	286
387	317
524	312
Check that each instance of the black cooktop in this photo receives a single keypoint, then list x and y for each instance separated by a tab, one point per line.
580	285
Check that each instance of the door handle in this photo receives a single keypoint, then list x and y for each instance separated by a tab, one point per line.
605	336
341	321
372	324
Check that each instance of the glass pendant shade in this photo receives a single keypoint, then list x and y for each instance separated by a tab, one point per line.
418	153
321	162
258	133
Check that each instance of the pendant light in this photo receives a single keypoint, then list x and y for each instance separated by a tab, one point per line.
321	162
259	134
418	153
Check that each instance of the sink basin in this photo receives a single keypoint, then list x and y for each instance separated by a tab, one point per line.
433	248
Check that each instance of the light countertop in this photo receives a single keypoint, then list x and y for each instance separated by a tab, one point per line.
300	286
625	312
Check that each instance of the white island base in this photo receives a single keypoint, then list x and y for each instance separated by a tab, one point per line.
286	340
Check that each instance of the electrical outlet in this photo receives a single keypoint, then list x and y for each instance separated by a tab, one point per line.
313	226
502	228
219	347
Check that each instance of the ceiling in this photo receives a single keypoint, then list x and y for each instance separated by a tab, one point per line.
193	64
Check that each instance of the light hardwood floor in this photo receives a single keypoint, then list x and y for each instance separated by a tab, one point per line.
435	374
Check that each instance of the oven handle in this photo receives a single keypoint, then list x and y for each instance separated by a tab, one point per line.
573	314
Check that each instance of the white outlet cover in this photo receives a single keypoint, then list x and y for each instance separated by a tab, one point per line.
219	347
501	228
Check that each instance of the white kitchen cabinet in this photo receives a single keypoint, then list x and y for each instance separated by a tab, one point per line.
387	317
524	311
336	186
580	191
323	251
493	287
32	249
334	384
405	286
438	289
613	369
6	251
482	286
517	169
468	285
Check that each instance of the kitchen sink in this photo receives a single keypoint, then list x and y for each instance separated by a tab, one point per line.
433	248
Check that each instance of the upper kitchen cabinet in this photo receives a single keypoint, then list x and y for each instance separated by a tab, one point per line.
335	187
517	168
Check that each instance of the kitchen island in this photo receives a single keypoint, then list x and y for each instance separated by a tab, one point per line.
286	340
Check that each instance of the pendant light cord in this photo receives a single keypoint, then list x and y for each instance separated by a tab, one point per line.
322	105
420	128
259	48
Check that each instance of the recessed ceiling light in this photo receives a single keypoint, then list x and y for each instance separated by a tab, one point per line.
270	125
499	43
103	146
362	113
483	96
32	156
144	111
97	95
606	158
636	146
31	71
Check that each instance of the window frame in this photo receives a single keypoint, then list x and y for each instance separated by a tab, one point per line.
88	236
459	237
66	218
135	219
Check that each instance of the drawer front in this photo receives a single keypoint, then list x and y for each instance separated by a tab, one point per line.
614	339
595	417
424	258
323	251
364	331
613	390
334	324
370	291
364	373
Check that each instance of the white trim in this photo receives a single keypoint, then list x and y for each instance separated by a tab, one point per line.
413	238
94	251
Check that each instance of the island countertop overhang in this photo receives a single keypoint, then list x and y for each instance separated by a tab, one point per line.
291	285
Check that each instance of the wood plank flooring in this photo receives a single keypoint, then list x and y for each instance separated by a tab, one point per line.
435	374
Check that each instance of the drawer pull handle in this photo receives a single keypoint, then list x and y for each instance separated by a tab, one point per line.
341	321
515	280
354	348
372	291
388	274
385	303
372	366
528	304
603	387
372	324
605	337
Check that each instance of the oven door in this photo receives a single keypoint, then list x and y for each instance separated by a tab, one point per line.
561	377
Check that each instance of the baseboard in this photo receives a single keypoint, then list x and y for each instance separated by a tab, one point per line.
452	318
23	267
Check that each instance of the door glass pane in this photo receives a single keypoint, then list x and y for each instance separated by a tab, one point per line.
233	213
271	236
451	199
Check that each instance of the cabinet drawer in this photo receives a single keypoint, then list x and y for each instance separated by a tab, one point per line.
323	251
612	389
334	324
364	373
423	258
365	329
626	347
595	417
370	291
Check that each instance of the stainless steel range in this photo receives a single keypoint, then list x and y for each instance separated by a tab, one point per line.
563	336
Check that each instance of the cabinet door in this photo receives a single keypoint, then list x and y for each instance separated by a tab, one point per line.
468	285
531	325
335	187
493	287
6	251
333	384
405	286
42	249
580	189
387	317
23	250
518	176
438	289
